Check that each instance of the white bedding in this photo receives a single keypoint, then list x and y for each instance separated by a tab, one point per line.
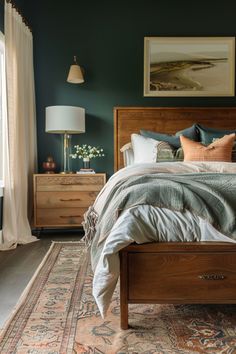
163	225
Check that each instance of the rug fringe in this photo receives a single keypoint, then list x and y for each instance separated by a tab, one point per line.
78	242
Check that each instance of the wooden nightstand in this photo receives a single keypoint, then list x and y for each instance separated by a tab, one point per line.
61	200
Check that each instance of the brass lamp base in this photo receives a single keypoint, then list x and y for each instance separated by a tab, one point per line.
66	156
66	172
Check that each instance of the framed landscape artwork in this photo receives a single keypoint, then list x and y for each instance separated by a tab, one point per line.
189	66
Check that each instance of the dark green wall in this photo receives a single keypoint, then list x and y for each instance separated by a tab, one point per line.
107	37
1	17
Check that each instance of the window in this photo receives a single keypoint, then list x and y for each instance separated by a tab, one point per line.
2	95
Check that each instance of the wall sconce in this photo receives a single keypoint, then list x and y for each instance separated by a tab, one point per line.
75	74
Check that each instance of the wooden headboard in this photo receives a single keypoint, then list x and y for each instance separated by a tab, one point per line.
128	120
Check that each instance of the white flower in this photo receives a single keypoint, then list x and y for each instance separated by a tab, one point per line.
86	151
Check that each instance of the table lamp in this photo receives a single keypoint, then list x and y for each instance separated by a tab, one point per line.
65	120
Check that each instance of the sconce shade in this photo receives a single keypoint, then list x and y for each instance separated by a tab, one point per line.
65	119
75	75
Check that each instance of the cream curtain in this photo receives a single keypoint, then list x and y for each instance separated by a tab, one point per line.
19	131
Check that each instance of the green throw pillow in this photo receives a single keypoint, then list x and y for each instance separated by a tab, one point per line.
173	140
208	134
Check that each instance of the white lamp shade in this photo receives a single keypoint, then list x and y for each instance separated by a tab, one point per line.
65	119
75	75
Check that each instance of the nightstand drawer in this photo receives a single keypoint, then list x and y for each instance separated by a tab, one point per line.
69	183
60	217
65	199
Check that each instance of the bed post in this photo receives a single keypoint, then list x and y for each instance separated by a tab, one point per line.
123	290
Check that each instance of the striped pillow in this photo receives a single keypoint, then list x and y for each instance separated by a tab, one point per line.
167	153
220	150
234	153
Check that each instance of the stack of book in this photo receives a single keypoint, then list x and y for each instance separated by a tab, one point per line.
86	170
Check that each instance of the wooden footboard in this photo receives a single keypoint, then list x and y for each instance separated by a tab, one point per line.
177	273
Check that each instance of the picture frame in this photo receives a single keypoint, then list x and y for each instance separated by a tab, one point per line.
189	66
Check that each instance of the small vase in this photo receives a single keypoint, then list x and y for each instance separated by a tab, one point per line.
49	166
86	163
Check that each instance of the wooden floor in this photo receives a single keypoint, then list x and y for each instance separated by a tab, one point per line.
18	266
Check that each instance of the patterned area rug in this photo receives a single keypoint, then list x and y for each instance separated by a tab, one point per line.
57	315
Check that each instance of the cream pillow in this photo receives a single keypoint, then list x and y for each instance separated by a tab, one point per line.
219	150
145	149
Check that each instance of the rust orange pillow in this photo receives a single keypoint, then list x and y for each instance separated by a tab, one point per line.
219	150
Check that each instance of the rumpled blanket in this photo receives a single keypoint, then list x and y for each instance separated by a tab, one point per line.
210	195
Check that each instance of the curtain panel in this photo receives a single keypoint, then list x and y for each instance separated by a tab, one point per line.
19	131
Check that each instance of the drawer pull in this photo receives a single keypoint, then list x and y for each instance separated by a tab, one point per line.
212	276
68	184
70	216
70	200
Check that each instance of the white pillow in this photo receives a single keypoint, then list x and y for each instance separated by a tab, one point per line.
145	149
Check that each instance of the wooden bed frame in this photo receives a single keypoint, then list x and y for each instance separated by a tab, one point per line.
202	272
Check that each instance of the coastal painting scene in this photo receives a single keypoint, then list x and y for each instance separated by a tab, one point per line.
190	67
